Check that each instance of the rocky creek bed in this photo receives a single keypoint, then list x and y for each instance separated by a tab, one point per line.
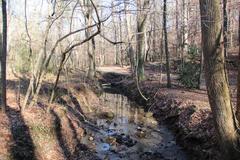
126	131
185	112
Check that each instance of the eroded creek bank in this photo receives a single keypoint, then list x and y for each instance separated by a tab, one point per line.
185	112
126	131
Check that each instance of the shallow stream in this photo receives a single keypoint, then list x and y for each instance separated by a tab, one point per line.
129	133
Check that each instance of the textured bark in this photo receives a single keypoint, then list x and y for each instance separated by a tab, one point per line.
141	24
130	51
225	26
184	36
117	60
166	43
177	30
4	55
90	45
238	84
216	81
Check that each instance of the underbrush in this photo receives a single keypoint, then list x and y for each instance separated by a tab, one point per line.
190	69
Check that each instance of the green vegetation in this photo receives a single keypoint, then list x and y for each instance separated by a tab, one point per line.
190	71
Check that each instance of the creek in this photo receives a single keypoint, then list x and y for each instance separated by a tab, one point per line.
128	132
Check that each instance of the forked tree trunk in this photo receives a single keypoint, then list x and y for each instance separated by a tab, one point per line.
216	80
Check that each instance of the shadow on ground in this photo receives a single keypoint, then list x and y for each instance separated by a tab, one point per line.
22	148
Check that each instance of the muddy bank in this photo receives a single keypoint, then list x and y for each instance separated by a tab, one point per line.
186	112
37	134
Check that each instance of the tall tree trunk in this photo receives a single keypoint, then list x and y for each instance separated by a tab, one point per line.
117	61
216	80
225	27
141	24
130	50
238	84
90	51
166	42
184	36
120	39
177	34
4	56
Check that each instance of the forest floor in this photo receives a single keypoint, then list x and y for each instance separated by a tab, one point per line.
186	111
37	134
56	135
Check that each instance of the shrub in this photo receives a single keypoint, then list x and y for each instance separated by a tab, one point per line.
190	72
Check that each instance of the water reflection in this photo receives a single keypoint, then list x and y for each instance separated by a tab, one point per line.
130	133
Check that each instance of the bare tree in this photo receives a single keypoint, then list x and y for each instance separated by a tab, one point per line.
4	55
216	81
238	84
143	7
166	42
90	44
225	26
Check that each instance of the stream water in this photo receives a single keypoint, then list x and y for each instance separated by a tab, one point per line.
127	132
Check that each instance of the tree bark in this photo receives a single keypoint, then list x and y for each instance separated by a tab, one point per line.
130	51
238	84
177	30
184	36
216	80
166	43
141	24
4	56
225	27
90	51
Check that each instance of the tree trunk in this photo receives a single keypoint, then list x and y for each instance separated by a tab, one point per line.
177	34
90	51
120	39
4	56
117	61
238	84
184	36
216	81
141	24
225	27
130	51
166	42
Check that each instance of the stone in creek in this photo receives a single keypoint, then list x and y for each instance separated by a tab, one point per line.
90	138
104	147
107	115
141	134
125	140
148	114
111	140
111	132
139	128
152	155
141	110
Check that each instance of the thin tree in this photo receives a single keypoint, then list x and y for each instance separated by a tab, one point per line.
216	80
238	84
4	55
166	42
225	26
90	44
